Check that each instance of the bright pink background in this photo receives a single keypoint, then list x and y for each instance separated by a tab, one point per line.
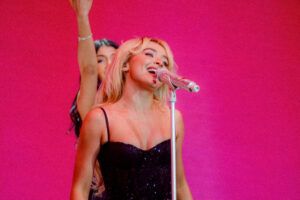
242	129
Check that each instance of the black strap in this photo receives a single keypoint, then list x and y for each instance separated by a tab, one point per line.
106	121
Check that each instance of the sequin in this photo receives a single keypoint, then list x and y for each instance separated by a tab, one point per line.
131	173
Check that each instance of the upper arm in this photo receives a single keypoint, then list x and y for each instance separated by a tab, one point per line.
87	151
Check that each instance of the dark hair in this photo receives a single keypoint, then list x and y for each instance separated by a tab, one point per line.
105	42
74	114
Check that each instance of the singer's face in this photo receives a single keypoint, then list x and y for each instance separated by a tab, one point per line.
105	55
141	66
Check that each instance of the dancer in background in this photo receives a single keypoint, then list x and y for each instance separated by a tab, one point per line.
105	50
129	133
93	58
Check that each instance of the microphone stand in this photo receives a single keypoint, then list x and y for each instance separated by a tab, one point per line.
165	76
173	143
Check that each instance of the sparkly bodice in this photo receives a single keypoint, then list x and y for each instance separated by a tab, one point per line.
132	173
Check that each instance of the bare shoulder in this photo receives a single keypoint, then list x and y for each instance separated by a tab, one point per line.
178	115
94	116
94	123
109	109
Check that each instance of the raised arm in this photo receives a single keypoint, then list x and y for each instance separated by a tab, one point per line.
183	190
87	151
87	59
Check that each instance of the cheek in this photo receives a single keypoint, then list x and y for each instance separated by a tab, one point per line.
109	60
134	65
102	66
138	64
134	72
141	60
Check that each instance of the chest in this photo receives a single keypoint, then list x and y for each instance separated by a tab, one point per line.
141	130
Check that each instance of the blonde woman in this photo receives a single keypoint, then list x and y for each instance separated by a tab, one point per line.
129	134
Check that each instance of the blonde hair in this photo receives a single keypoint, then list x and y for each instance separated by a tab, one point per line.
111	88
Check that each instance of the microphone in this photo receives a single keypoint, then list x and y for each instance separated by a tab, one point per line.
174	81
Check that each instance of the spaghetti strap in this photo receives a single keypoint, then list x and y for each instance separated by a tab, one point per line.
107	124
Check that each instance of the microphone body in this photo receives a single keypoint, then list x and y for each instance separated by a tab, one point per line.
174	81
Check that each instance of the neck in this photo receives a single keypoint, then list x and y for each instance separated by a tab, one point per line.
136	98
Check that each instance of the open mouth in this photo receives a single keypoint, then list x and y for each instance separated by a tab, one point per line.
152	70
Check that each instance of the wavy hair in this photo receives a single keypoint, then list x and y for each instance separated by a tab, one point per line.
112	86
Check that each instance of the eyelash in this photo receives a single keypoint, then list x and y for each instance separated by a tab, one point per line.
101	61
149	54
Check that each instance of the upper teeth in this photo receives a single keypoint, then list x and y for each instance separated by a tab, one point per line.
151	70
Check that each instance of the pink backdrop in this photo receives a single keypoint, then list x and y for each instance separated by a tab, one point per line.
242	129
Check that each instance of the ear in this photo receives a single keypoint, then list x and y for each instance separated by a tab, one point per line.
125	67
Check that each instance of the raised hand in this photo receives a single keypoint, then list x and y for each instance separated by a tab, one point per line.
81	7
87	59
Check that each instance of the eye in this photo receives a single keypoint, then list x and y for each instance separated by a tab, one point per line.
165	63
149	54
101	61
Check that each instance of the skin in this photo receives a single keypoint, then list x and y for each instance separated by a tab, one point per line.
91	64
105	55
86	98
129	122
86	57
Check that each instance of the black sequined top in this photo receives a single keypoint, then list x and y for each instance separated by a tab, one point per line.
132	173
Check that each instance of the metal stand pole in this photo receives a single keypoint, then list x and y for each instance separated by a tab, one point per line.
174	82
173	144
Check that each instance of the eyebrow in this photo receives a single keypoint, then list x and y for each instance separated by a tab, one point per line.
156	51
102	55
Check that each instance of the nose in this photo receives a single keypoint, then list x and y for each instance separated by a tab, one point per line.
158	62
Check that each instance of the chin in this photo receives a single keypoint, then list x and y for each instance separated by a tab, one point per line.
155	86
